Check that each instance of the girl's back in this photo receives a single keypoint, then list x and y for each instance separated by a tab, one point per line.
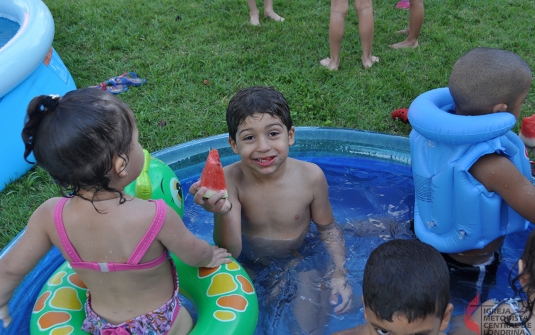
112	237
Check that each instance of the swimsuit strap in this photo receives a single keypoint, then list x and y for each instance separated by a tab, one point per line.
60	227
139	251
151	233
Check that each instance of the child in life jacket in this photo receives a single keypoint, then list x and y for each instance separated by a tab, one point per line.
472	177
118	245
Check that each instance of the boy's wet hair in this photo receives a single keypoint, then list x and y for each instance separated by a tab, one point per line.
484	77
258	99
406	278
528	289
75	137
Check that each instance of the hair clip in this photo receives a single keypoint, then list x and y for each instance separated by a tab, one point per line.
50	103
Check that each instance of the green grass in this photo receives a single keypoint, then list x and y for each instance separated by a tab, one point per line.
178	44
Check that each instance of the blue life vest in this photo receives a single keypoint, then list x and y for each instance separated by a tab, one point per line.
454	212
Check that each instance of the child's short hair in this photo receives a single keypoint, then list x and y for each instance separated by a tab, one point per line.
484	77
406	278
75	137
258	99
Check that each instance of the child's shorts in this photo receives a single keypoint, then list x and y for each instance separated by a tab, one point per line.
466	280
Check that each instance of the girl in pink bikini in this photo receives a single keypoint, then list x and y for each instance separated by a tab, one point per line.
118	245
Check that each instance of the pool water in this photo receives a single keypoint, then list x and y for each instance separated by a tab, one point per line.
373	201
8	29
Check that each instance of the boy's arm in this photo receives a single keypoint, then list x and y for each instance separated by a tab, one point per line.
498	174
227	224
227	215
332	236
227	229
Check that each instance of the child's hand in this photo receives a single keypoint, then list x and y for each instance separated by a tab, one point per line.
220	256
4	316
343	289
215	204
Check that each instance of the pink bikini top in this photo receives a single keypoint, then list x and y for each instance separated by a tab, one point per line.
139	251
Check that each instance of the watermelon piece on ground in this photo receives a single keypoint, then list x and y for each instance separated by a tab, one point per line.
527	131
212	176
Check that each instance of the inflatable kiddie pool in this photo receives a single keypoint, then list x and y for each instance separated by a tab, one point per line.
369	178
29	66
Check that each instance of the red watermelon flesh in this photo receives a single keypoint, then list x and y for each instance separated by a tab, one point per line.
527	131
212	176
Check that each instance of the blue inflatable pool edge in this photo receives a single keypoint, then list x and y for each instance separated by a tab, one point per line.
29	67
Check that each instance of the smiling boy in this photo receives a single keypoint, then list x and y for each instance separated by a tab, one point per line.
405	291
274	200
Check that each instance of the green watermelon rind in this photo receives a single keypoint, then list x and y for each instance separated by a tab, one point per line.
529	142
210	192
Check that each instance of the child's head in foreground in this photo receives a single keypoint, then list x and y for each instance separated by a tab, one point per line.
406	289
76	137
486	80
256	100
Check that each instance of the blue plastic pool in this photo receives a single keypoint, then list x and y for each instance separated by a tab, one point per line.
371	191
29	66
8	29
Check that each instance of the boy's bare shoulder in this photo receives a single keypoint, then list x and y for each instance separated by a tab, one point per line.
306	168
233	170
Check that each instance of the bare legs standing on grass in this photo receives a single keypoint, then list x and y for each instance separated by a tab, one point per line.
254	13
416	19
339	10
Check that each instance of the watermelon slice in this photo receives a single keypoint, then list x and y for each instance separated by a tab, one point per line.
212	176
527	131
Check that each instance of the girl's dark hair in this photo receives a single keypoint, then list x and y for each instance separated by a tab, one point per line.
525	293
257	99
75	138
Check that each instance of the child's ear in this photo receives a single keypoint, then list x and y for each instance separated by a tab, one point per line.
233	145
119	166
446	319
364	307
499	108
291	136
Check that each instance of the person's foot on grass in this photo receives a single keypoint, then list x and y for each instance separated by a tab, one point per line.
274	16
404	44
403	31
255	18
367	62
330	64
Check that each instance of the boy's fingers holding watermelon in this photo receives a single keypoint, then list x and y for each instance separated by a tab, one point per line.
194	188
216	204
198	197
